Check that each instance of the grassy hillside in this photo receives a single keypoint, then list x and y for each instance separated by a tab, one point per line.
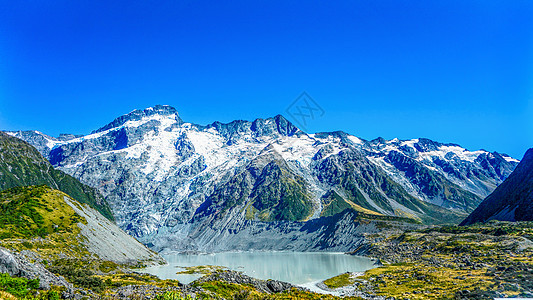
22	165
333	204
39	221
37	217
35	211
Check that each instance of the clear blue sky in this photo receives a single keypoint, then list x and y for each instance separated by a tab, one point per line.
453	71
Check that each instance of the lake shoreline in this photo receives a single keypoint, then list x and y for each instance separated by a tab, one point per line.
297	268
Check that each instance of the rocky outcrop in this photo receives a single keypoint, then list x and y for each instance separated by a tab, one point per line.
191	290
18	265
264	286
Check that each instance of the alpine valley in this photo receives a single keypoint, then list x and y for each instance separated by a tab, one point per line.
265	184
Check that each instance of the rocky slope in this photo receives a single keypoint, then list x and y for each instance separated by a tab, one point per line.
512	200
44	234
22	165
17	265
59	226
178	183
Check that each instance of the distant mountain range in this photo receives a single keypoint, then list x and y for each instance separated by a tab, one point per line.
512	200
180	185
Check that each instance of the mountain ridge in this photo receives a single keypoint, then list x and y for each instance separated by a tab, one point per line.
157	170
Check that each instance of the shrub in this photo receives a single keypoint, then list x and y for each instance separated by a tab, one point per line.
19	287
77	275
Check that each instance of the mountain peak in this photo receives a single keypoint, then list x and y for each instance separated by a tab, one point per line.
138	114
283	126
277	125
160	109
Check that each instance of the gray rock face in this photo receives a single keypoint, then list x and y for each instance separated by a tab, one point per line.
108	242
17	265
8	263
183	185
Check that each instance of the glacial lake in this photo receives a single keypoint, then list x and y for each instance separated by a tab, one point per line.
299	268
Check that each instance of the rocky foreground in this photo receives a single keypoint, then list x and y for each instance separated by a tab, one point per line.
47	260
450	262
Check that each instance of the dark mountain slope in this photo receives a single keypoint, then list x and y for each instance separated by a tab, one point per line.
22	165
512	200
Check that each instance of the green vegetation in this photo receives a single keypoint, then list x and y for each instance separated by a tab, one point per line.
22	165
495	228
363	217
18	287
81	192
118	279
294	202
172	295
107	266
13	288
356	182
206	270
27	212
37	218
77	274
340	281
99	276
285	198
424	282
225	289
333	204
275	195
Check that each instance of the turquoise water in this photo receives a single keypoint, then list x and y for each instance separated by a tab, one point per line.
295	267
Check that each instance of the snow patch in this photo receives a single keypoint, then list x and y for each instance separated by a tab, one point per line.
510	159
355	140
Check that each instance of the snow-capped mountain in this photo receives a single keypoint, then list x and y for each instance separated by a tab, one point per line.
167	179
